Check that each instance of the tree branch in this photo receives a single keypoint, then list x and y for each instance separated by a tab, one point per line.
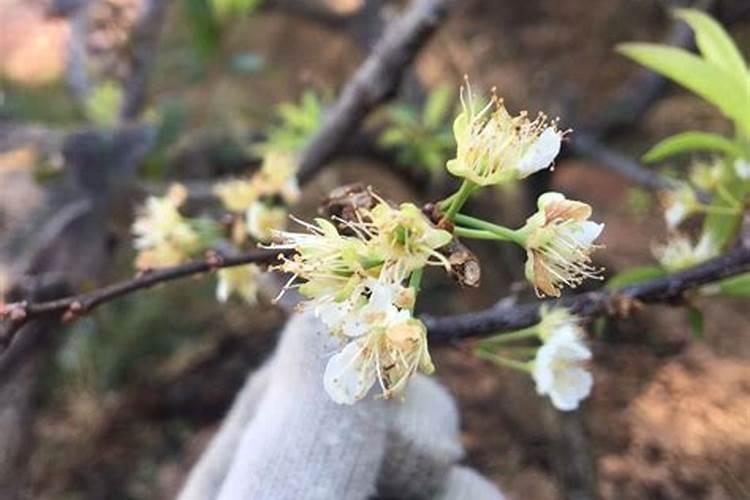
70	308
374	82
145	41
667	290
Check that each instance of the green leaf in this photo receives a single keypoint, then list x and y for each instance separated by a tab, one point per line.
736	286
714	42
205	32
392	137
437	106
723	228
691	141
103	105
226	9
713	83
696	322
635	275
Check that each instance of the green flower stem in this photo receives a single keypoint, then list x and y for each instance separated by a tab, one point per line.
415	280
505	233
467	187
504	338
501	361
476	234
444	204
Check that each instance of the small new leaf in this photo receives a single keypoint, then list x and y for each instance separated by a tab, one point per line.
736	286
696	322
635	275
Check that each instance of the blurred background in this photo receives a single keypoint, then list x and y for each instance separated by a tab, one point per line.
121	403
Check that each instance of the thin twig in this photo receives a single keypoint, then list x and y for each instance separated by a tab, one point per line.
666	290
70	308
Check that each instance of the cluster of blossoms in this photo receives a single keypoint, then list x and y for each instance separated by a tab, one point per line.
163	236
682	202
558	367
354	280
256	201
361	272
258	208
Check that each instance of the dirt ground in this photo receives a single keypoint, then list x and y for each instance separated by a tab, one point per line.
669	417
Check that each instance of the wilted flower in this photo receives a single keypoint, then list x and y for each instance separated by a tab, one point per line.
393	348
241	280
163	236
680	253
559	368
679	204
262	220
495	147
559	239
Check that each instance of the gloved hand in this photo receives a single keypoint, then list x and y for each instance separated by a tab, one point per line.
285	439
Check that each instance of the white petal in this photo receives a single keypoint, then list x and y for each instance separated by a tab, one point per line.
354	326
548	198
332	313
541	154
542	372
347	379
565	333
222	290
743	169
675	214
587	231
572	389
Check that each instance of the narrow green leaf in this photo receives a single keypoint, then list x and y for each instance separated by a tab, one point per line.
713	83
696	322
635	275
736	286
691	141
714	42
436	107
723	228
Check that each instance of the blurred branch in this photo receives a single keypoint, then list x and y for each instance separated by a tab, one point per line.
667	290
584	144
374	82
144	42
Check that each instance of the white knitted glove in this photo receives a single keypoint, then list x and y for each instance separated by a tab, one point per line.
285	439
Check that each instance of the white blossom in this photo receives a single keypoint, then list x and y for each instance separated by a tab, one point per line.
559	239
494	147
559	368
